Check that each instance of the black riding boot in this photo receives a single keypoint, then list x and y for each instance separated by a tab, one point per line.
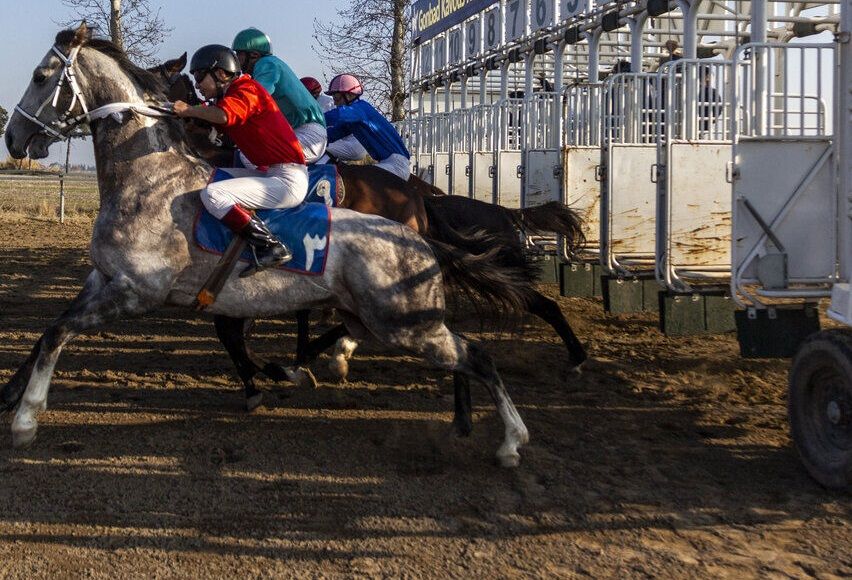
267	250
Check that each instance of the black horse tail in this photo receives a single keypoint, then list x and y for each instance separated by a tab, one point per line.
551	217
470	261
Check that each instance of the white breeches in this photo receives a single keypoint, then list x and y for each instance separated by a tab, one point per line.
347	149
313	138
396	164
281	186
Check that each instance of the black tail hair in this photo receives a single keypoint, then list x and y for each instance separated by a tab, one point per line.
552	217
471	262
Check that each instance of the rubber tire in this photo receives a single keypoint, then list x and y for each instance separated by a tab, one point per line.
824	360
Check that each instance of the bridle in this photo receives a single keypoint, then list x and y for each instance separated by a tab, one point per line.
63	126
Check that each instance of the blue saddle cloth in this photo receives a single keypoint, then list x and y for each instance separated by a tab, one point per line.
323	185
305	229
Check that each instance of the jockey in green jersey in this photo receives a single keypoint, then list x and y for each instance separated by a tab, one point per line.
254	51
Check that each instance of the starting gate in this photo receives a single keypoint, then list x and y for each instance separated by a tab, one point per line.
628	194
694	192
785	203
542	168
581	159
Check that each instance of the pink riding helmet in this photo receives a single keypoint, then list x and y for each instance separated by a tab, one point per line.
345	83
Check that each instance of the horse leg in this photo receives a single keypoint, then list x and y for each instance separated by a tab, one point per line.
462	420
549	311
303	333
305	355
232	334
449	351
101	300
299	374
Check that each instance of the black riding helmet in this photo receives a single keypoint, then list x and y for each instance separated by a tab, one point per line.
213	56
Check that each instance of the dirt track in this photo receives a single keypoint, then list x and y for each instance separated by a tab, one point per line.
666	458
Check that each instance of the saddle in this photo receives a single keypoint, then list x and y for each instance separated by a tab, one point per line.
305	229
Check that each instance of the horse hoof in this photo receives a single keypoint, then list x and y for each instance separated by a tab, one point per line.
23	437
577	370
512	459
302	377
276	372
339	367
463	426
254	402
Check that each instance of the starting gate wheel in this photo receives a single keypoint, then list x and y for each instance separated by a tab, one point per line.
819	406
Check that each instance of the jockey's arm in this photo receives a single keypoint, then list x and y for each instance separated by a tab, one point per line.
339	122
209	113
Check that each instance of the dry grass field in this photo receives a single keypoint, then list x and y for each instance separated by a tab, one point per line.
38	195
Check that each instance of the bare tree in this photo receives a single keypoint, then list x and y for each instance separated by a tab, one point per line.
4	116
367	38
133	25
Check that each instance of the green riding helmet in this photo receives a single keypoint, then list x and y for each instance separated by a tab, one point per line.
252	40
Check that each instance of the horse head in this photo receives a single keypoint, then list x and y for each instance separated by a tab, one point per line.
180	86
76	75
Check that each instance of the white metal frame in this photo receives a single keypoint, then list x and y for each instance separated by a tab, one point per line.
693	157
786	118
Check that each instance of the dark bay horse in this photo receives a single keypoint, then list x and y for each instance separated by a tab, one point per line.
383	278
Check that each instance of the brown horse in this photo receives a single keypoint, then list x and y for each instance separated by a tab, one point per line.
427	210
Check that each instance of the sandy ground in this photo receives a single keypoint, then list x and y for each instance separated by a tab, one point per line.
665	458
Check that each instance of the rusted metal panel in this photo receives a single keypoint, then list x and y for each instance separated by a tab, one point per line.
699	212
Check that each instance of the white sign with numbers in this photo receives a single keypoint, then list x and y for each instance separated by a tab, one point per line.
454	46
571	8
491	28
541	14
472	37
516	19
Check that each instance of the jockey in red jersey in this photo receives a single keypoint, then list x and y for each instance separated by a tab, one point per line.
244	111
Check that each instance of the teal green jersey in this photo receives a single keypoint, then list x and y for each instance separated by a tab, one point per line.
294	100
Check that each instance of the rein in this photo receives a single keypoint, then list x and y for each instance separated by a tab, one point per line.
63	126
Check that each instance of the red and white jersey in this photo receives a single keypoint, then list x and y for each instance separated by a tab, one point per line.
256	125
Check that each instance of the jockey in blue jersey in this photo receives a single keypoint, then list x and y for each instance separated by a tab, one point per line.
358	119
254	52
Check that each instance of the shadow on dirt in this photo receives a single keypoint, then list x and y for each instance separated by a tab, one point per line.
146	436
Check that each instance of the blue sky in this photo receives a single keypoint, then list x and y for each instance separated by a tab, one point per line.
30	26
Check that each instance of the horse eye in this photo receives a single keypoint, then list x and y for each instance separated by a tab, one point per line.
39	76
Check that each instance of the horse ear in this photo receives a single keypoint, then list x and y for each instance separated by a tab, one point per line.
175	65
81	35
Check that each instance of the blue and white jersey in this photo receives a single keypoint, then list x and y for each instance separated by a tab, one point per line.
369	126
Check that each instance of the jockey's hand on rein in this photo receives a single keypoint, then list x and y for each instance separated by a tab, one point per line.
182	109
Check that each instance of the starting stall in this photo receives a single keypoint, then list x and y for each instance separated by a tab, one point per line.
628	194
692	174
705	144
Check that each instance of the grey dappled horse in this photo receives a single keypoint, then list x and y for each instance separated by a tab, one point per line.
381	276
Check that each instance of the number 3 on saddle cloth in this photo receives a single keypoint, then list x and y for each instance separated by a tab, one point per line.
306	228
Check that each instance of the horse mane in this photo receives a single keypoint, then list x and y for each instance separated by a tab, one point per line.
147	80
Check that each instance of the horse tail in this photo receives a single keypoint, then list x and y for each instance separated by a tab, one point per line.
471	261
552	217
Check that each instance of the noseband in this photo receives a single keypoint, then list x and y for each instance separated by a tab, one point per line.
63	126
